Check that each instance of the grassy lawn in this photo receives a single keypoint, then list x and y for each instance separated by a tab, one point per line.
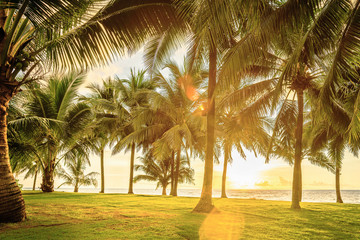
116	216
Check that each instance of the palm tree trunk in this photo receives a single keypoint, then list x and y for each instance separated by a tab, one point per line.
47	184
300	185
226	160
2	18
132	161
205	204
76	189
337	183
12	205
177	171
172	173
36	172
164	191
102	190
296	186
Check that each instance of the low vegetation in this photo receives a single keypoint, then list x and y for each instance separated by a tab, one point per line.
114	216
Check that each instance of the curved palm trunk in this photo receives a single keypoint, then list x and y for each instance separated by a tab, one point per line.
172	173
12	205
102	190
337	183
177	171
34	184
205	204
296	186
132	160
226	160
47	184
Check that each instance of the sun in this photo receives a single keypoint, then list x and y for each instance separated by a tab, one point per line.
246	174
245	181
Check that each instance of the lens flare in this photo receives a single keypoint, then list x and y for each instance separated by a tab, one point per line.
186	83
222	225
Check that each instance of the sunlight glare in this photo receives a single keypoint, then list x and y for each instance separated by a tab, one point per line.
246	174
222	225
186	83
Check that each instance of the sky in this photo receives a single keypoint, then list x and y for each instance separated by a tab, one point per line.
251	173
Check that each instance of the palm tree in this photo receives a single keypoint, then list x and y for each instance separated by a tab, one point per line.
167	121
241	122
159	171
69	33
101	99
323	30
175	103
214	26
100	140
24	139
76	176
335	145
325	134
59	138
129	89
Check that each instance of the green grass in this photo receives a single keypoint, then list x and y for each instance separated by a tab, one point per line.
116	216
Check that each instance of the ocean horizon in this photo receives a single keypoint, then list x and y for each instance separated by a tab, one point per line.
326	196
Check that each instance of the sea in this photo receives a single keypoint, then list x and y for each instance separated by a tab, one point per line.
348	196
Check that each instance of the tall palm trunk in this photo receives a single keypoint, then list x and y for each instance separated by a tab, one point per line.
164	191
296	186
172	173
102	190
300	186
36	172
337	183
76	189
205	204
12	205
226	160
177	171
47	184
132	161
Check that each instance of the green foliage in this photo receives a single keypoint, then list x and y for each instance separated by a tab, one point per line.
155	217
77	34
159	170
46	122
76	174
19	184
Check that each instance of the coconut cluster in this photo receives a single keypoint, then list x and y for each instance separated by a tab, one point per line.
23	60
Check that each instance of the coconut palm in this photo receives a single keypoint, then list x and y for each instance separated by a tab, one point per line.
323	30
67	33
214	26
299	80
159	171
24	143
241	121
129	89
76	176
57	104
101	99
325	134
171	108
335	145
164	109
178	102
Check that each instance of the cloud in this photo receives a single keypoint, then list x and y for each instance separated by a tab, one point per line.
104	72
284	182
263	184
